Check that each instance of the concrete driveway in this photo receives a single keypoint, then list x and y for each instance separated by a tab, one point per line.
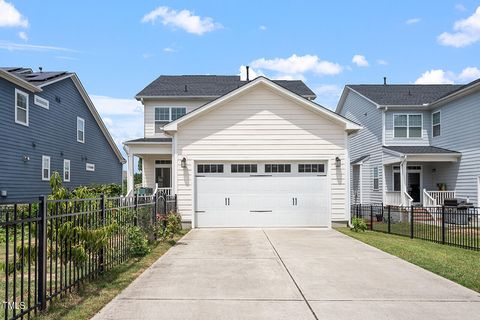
287	274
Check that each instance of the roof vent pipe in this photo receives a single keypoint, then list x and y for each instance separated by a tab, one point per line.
40	68
248	73
186	88
384	81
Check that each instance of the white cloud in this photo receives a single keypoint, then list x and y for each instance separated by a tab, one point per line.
10	16
147	55
116	106
460	7
296	66
413	21
328	95
11	46
468	74
23	35
360	60
169	50
262	28
382	62
184	19
66	58
467	32
434	76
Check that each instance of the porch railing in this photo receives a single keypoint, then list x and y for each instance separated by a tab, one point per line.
428	200
165	191
440	196
393	198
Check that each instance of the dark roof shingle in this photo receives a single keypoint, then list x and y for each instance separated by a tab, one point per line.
418	149
209	86
35	78
404	94
142	140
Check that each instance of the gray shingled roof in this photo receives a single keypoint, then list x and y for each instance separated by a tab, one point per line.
418	149
150	140
360	159
35	78
210	86
404	94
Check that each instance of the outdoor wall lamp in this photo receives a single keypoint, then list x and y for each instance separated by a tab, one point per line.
26	158
184	162
338	162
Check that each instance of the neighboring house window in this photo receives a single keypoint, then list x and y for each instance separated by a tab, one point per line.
45	168
66	170
164	115
21	107
436	119
314	167
210	168
80	130
90	167
44	103
375	179
243	168
407	125
275	168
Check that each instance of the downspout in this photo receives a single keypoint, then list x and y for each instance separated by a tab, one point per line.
403	178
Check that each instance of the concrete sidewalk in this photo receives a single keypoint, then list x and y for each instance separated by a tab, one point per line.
287	274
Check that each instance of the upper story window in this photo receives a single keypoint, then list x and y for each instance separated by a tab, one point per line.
21	107
164	115
80	130
45	168
407	125
436	119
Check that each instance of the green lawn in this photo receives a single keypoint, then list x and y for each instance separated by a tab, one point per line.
457	264
94	295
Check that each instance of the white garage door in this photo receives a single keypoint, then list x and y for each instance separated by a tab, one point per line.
262	201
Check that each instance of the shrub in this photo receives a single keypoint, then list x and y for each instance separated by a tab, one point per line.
138	242
172	225
358	224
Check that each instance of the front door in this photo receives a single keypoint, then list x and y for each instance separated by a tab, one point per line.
162	177
413	185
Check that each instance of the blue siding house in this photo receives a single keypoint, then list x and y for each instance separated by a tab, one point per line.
420	144
48	123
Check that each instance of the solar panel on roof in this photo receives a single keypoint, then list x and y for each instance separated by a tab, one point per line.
43	76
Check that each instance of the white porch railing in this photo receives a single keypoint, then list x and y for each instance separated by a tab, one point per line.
165	191
440	196
428	200
393	198
406	199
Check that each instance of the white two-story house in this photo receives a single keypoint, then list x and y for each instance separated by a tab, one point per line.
420	144
243	153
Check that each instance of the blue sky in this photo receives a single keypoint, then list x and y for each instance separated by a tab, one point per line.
118	47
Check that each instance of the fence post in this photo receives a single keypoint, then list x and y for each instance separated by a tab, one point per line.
176	203
371	217
165	209
411	222
443	224
135	211
101	255
42	253
154	213
389	218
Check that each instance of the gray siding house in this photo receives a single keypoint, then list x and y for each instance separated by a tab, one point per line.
47	124
420	144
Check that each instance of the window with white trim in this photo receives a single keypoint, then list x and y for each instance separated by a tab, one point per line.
80	130
210	168
21	107
278	168
164	115
66	170
45	168
243	168
375	178
90	166
436	119
407	126
311	167
39	101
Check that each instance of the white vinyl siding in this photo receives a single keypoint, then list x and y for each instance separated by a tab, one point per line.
261	125
66	170
45	168
21	108
80	130
436	124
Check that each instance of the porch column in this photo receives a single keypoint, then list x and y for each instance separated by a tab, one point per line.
130	173
403	181
384	185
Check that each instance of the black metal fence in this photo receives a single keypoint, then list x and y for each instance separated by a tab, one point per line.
455	226
49	247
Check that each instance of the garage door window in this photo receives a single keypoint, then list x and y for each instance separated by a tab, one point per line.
311	167
275	168
243	168
210	168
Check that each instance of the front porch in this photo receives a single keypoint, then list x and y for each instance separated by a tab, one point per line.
419	178
156	157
